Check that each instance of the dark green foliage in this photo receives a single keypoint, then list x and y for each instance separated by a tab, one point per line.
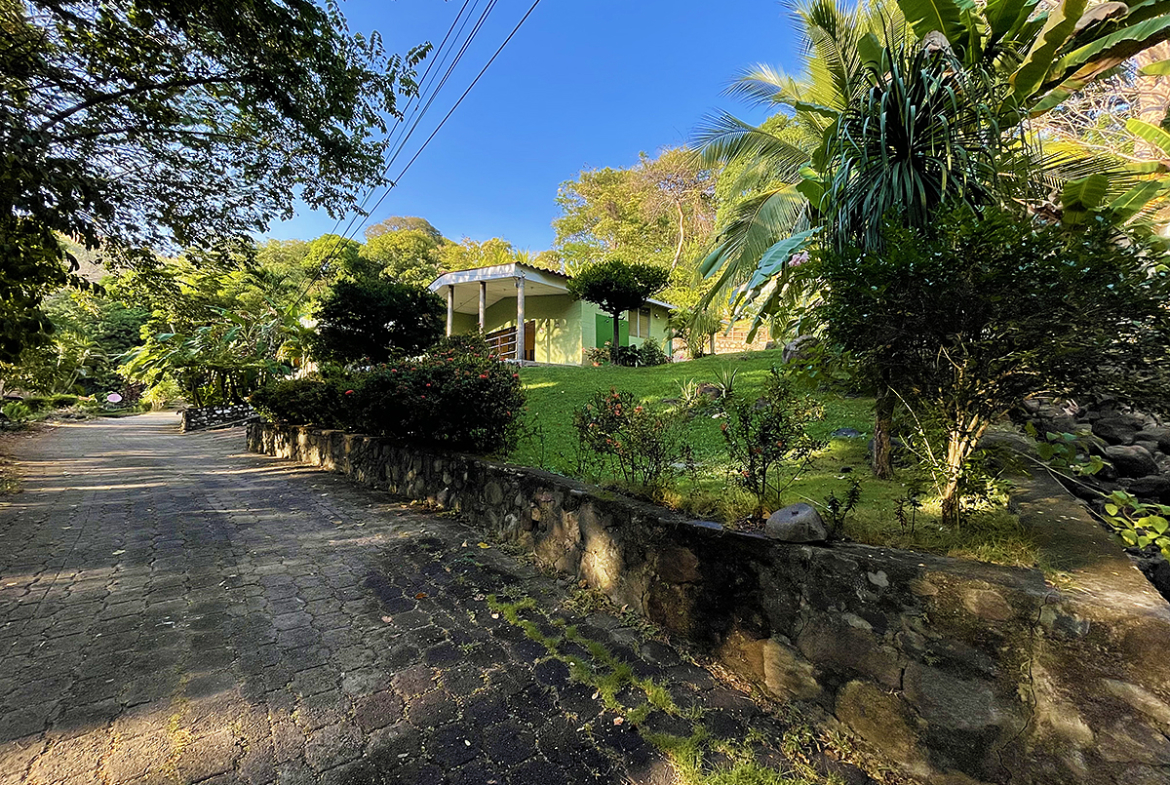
147	125
768	434
924	132
648	354
645	442
372	320
966	318
309	401
453	400
448	399
617	286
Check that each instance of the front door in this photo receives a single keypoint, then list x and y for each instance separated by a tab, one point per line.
605	331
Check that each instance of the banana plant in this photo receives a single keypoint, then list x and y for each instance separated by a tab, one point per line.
1132	196
1029	58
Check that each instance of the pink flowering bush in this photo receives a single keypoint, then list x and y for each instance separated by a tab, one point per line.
644	443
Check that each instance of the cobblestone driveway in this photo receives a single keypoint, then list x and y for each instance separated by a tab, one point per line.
175	610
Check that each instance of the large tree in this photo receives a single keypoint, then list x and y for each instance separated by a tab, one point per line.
372	320
404	255
156	124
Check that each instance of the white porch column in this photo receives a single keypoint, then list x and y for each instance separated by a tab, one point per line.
520	319
483	306
450	310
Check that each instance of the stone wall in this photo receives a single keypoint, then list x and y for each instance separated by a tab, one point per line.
955	672
209	416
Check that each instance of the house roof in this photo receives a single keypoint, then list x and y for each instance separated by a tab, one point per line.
500	283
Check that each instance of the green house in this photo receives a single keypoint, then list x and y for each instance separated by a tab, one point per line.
519	305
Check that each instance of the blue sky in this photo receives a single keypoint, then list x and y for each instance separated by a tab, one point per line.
584	84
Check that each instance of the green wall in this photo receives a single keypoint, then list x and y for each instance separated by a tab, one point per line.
564	326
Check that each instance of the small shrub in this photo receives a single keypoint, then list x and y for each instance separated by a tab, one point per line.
767	434
309	401
17	411
651	354
648	354
624	355
644	441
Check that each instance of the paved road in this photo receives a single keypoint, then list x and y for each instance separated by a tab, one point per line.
173	609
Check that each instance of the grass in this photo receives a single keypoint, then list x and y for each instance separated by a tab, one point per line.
555	393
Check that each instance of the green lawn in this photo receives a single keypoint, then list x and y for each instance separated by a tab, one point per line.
554	394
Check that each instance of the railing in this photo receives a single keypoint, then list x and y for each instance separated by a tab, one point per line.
503	343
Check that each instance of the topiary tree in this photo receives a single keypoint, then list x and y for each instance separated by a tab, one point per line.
616	286
370	320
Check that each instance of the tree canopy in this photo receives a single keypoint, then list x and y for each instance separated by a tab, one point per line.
373	319
616	286
149	125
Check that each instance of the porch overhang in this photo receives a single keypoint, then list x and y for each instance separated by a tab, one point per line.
498	283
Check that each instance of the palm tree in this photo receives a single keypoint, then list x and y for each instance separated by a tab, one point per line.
902	106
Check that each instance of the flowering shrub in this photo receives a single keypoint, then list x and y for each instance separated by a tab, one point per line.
457	400
449	398
765	434
645	442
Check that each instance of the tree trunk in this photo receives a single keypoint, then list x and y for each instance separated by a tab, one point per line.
957	453
962	440
882	459
613	347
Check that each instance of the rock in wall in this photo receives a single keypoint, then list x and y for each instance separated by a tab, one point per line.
209	416
954	671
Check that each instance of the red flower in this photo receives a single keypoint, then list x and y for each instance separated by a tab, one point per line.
483	376
349	392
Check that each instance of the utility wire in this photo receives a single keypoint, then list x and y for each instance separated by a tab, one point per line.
438	128
441	53
451	111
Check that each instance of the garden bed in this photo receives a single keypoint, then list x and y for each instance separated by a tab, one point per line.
992	534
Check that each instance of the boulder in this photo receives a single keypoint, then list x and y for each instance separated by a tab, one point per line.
1116	429
1150	446
1154	486
1160	436
796	523
1131	461
798	348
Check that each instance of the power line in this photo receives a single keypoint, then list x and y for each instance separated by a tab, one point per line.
441	53
394	181
483	70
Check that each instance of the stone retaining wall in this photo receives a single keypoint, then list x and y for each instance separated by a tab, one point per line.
955	672
208	416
